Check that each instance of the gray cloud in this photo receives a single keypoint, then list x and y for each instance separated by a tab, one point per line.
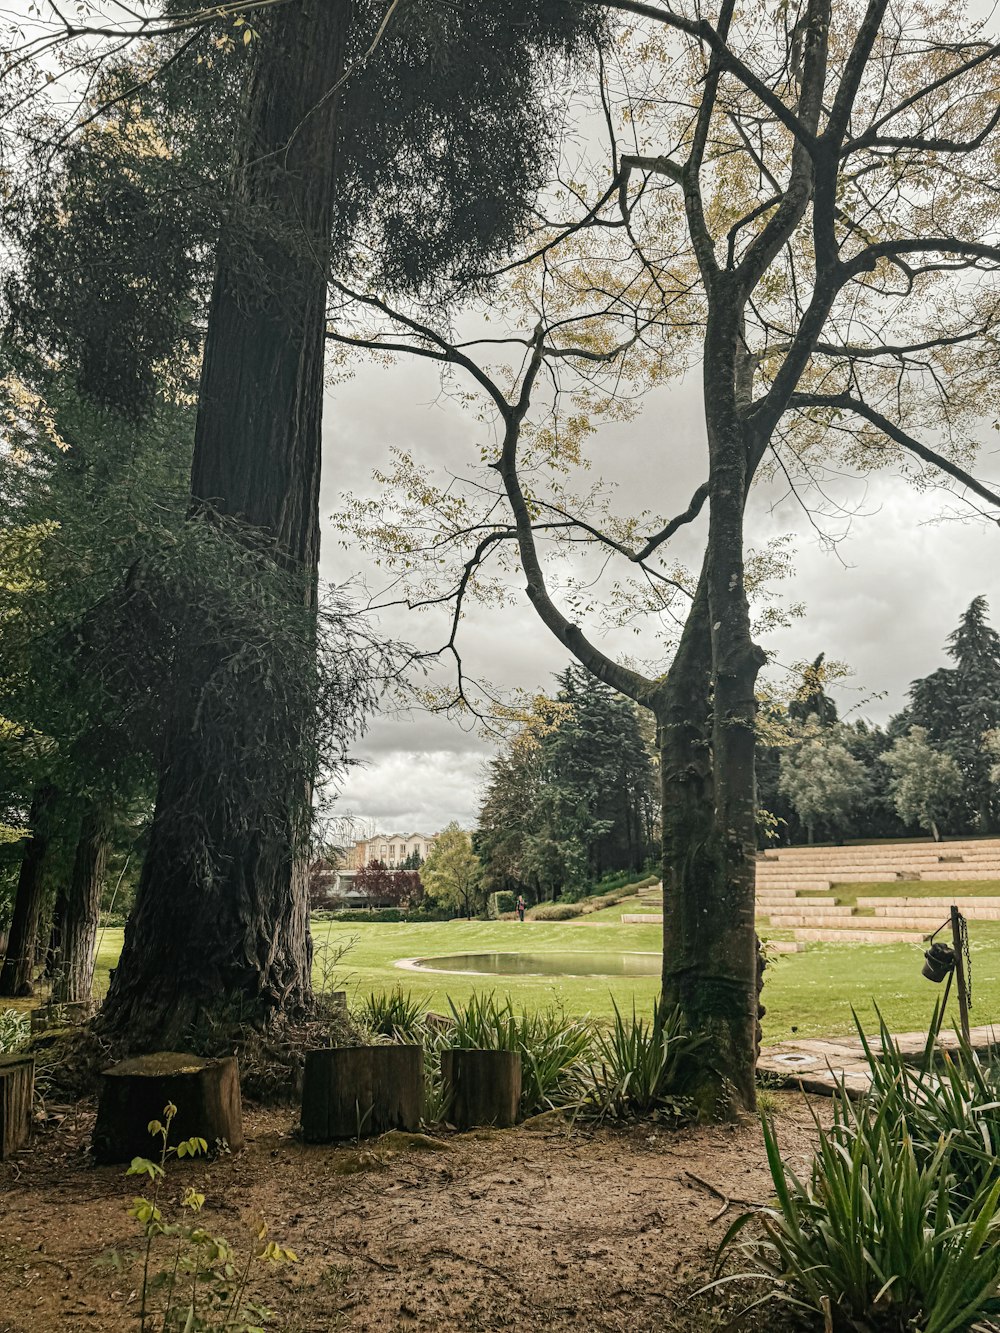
884	601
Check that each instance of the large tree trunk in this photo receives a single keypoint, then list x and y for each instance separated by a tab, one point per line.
736	661
221	916
73	969
706	714
695	907
22	939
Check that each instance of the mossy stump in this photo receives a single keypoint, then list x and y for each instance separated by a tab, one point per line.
17	1082
134	1092
351	1092
481	1087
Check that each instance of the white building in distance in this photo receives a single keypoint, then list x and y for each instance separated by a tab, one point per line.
392	849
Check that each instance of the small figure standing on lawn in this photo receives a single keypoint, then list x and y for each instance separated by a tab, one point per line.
520	907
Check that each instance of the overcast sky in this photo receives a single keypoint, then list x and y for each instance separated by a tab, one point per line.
884	601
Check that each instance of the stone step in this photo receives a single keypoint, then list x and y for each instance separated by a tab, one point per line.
964	857
972	913
860	936
792	881
927	924
902	901
876	875
949	875
834	920
642	918
865	856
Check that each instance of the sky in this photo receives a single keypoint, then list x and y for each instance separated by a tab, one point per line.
883	600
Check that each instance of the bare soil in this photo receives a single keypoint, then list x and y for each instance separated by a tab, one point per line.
537	1228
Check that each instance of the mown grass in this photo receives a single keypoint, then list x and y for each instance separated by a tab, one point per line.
810	994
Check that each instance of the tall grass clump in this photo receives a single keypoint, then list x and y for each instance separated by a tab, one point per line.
946	1092
875	1238
395	1014
15	1029
554	1049
639	1064
897	1227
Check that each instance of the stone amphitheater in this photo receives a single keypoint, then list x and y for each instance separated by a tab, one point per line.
797	889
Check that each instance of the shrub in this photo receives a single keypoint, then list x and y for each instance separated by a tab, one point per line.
556	911
898	1226
639	1065
15	1029
357	914
553	1048
875	1239
947	1093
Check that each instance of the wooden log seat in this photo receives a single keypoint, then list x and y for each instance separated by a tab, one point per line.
206	1093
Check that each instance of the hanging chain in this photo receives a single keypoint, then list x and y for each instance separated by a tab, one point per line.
963	935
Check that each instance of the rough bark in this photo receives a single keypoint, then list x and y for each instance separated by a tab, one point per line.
73	965
361	1091
22	939
221	916
17	1079
731	999
706	713
481	1087
695	928
206	1094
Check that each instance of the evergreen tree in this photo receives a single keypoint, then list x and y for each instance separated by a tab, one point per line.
959	706
425	183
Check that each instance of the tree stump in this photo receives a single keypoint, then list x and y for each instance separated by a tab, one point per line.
356	1091
134	1092
17	1081
481	1087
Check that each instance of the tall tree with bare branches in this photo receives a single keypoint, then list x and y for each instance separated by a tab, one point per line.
801	200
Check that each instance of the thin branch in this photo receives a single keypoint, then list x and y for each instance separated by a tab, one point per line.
846	402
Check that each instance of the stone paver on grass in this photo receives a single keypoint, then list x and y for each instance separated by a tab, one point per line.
819	1064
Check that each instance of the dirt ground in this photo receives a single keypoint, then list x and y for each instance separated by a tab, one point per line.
531	1229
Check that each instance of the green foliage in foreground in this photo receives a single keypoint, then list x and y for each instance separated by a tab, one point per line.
204	1282
15	1029
897	1227
553	1048
635	1069
638	1065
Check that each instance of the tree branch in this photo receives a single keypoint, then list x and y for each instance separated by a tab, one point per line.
845	402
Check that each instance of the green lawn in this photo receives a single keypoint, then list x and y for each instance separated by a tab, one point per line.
810	993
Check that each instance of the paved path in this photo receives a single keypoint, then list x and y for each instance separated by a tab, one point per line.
819	1064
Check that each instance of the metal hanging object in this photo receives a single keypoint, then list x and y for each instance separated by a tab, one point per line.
939	962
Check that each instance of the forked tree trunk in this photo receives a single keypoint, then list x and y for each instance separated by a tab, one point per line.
22	938
73	966
221	916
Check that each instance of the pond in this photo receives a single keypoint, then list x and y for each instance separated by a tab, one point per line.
593	964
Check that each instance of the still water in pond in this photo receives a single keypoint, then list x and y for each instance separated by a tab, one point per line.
547	964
